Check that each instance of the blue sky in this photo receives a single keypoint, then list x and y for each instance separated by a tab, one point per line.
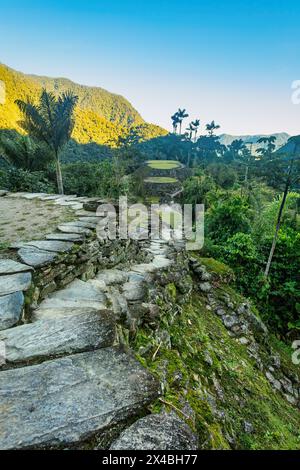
228	60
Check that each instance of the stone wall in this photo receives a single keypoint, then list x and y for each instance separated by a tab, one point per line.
83	262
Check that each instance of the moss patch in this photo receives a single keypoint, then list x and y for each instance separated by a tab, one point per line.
210	378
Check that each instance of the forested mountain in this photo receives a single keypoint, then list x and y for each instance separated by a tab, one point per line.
100	118
281	138
112	107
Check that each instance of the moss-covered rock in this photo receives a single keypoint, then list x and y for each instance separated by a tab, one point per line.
213	379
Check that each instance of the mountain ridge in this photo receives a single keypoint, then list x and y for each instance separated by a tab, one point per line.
101	117
281	138
93	98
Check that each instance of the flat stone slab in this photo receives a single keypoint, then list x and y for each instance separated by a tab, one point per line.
14	282
83	213
80	290
50	245
17	195
79	223
66	401
70	197
144	268
57	309
164	431
161	262
35	257
86	223
11	307
89	220
65	335
9	266
133	290
71	237
33	195
67	228
112	276
50	197
78	295
118	302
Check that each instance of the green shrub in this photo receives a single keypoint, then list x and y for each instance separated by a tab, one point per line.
16	179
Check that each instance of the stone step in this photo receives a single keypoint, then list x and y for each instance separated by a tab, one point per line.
56	246
62	335
144	268
9	266
67	401
89	220
71	237
79	290
118	302
161	262
77	295
34	195
35	257
10	283
112	276
11	308
69	227
134	291
83	213
50	197
61	308
163	431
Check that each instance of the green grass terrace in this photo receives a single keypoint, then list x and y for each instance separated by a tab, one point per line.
163	164
160	180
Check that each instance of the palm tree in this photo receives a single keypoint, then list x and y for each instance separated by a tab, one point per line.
211	128
23	152
190	130
196	125
51	122
182	114
292	177
236	147
269	146
175	122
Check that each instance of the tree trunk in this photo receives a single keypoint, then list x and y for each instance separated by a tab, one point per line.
189	159
246	176
59	180
285	193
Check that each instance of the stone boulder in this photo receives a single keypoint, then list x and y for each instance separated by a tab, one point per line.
164	431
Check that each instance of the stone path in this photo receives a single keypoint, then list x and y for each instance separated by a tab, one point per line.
19	214
19	210
65	380
67	401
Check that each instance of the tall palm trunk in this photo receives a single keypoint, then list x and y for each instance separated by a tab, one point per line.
246	176
278	223
59	179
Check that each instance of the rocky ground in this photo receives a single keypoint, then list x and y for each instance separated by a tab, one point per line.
19	215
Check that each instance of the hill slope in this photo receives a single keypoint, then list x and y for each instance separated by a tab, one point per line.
112	107
101	117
